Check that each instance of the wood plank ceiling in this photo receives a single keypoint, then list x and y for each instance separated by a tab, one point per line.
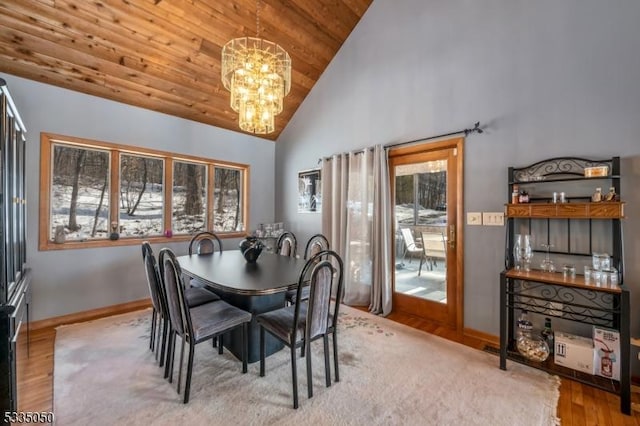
164	55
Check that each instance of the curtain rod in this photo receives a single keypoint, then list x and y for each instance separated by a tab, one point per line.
476	129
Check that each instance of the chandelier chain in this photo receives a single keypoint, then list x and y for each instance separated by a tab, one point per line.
258	18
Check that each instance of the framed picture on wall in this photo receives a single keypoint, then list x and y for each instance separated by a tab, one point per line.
309	191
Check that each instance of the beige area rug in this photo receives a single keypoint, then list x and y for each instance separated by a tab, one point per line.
390	374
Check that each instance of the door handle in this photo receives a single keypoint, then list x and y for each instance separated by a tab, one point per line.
452	237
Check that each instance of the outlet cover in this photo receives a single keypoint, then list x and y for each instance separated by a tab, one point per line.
493	218
474	218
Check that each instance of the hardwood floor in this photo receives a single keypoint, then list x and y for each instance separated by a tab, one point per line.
578	404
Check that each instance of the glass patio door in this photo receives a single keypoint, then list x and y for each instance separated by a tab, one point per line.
424	186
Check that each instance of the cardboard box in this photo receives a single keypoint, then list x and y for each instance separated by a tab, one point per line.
574	352
606	344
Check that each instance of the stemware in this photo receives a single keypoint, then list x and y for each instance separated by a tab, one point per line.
522	252
547	264
527	252
518	259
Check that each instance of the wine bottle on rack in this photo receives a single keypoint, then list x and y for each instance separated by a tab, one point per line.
547	334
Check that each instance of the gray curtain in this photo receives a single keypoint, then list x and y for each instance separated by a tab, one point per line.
356	217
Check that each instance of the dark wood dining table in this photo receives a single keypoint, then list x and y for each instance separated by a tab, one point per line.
255	287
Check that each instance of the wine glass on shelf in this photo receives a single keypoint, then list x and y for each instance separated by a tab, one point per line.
518	259
547	264
527	252
522	252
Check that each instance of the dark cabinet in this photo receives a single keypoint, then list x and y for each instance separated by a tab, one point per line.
571	232
15	276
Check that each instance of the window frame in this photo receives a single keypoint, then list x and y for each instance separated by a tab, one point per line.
48	140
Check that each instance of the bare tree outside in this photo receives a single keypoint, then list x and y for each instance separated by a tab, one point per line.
189	196
227	200
80	192
141	195
421	198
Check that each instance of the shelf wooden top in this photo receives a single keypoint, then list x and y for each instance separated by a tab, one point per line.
602	210
557	279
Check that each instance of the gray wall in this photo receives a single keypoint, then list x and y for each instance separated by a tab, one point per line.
70	281
547	78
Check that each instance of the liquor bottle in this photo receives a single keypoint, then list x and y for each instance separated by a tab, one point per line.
524	325
515	194
547	334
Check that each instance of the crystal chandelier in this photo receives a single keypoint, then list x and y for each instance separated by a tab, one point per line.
257	72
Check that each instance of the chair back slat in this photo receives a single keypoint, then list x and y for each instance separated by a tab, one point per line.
315	245
319	299
408	237
154	279
205	242
151	272
287	244
178	310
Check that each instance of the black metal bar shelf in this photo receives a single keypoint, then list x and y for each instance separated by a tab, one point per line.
552	294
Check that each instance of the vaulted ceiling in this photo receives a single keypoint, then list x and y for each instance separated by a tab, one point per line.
164	55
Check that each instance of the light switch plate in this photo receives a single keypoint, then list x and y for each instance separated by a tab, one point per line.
493	218
474	218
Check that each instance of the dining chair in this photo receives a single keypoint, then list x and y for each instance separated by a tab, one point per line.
159	316
411	247
197	324
300	324
195	296
315	245
287	244
205	242
435	247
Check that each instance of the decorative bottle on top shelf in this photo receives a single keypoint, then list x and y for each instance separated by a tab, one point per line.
524	197
611	195
515	194
597	196
547	334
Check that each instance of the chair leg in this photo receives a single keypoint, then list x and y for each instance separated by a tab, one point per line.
220	340
309	375
152	336
294	374
187	385
335	354
262	351
422	260
181	362
156	339
163	349
171	347
327	369
245	347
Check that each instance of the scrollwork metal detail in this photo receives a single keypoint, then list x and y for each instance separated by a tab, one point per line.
588	306
556	168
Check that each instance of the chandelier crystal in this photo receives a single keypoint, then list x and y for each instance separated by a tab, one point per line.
257	72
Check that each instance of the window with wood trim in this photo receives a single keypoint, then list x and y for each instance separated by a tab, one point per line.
95	194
